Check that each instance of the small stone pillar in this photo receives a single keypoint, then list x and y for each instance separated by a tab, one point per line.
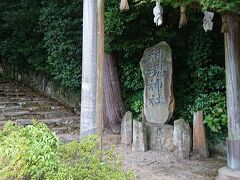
199	136
182	139
139	137
127	129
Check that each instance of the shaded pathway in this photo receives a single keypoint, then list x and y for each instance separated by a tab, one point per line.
21	104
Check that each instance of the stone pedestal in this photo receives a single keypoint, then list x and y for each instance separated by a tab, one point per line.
227	174
160	137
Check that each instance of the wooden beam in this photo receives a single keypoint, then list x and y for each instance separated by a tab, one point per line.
100	67
232	57
232	60
89	75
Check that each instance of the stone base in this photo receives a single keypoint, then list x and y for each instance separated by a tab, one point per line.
227	174
160	138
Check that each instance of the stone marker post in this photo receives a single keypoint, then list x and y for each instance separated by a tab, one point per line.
127	129
139	137
199	136
182	139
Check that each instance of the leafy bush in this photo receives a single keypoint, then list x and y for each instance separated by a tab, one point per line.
27	151
34	152
214	107
60	22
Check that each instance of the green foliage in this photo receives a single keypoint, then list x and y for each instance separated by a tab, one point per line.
215	111
34	152
198	60
128	35
60	23
43	36
20	42
27	151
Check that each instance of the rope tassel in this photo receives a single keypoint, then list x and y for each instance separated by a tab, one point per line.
183	18
224	24
124	5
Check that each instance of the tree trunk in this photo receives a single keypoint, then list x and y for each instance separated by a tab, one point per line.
89	71
114	108
232	60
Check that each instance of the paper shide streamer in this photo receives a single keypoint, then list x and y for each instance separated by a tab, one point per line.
158	12
207	21
124	5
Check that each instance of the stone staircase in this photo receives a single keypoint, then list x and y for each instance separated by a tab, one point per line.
20	104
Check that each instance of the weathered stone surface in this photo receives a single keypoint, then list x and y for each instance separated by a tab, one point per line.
160	137
127	129
182	139
17	113
139	137
67	138
156	66
199	136
226	173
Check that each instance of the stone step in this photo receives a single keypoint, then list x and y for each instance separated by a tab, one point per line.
20	104
61	130
9	103
35	103
17	94
66	138
25	99
4	99
4	108
17	113
53	114
52	122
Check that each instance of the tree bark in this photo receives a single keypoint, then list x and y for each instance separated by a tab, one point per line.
114	108
232	60
89	71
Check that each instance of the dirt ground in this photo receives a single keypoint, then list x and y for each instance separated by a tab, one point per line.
154	165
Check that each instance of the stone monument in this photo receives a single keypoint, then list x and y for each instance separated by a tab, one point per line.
156	66
159	102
